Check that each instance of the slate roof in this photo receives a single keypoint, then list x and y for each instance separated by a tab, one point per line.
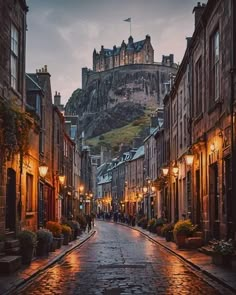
139	153
32	83
105	179
136	46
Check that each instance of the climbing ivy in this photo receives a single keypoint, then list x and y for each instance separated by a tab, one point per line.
15	126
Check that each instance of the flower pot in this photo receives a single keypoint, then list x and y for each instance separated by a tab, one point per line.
27	255
42	248
58	242
180	239
53	245
66	239
222	260
169	236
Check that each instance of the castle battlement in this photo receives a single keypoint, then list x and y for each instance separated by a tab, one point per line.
140	52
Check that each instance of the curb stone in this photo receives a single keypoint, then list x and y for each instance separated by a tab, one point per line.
21	282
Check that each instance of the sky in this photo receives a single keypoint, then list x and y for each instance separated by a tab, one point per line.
62	34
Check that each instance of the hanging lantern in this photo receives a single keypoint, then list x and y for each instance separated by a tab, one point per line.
61	179
43	169
165	171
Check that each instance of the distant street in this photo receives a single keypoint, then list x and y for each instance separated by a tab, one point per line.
118	260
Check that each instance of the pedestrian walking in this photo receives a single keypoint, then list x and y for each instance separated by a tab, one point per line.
89	222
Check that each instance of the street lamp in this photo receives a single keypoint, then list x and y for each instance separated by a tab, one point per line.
165	171
43	169
62	179
175	170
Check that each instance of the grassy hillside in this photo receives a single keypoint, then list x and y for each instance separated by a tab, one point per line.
125	134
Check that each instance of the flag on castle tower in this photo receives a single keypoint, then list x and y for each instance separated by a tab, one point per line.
127	20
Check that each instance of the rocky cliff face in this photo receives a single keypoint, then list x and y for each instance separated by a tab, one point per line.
112	98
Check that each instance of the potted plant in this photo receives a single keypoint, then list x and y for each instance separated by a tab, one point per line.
44	238
159	224
152	225
55	228
167	231
66	231
82	221
222	252
143	222
182	230
28	243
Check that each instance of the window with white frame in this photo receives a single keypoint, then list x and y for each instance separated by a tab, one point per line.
14	56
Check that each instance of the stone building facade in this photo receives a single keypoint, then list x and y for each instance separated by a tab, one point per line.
199	121
12	93
140	52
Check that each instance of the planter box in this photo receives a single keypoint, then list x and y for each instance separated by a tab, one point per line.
222	260
194	242
180	240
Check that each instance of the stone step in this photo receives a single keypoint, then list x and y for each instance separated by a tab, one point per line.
198	234
12	244
10	235
13	251
206	250
9	264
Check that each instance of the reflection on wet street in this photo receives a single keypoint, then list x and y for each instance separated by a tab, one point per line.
118	260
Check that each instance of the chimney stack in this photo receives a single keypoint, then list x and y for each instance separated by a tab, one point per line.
57	99
198	11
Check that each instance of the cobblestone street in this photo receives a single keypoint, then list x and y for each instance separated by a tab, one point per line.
118	260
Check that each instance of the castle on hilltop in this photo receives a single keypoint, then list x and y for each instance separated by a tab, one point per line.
140	52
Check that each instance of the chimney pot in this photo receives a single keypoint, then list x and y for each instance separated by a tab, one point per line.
46	68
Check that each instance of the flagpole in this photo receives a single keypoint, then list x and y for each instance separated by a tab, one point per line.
129	20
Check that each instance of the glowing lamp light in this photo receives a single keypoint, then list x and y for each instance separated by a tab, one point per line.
212	147
43	169
81	188
189	159
145	189
153	189
175	170
165	171
61	179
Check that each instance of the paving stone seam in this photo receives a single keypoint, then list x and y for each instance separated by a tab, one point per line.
39	271
224	284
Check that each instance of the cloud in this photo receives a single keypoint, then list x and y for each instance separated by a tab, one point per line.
63	34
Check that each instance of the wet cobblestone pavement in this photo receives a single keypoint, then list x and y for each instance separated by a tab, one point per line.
118	260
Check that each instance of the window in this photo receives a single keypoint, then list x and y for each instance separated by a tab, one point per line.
38	105
214	67
14	56
181	135
180	103
198	101
29	192
185	129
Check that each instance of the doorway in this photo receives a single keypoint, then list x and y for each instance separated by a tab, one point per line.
11	200
214	200
198	203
